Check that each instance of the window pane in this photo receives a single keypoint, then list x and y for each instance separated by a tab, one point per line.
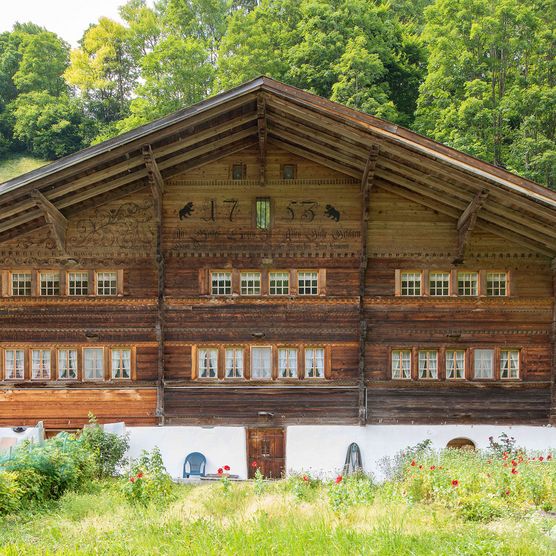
21	283
234	362
78	283
455	364
279	283
93	361
261	362
50	283
121	363
250	283
107	283
40	359
14	364
221	283
308	283
439	283
314	362
67	364
401	363
208	362
468	283
411	283
496	283
428	364
484	363
263	213
287	363
509	363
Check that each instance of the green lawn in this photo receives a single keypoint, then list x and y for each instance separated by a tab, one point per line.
206	520
15	165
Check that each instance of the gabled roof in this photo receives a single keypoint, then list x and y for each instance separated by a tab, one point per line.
341	138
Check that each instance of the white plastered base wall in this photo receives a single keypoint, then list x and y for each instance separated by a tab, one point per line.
319	449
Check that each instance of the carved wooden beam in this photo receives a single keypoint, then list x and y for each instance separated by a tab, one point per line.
467	221
262	133
155	177
367	182
56	221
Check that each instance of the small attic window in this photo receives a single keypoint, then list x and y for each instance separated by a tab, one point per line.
289	171
239	171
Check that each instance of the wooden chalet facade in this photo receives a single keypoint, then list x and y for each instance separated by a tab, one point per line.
268	258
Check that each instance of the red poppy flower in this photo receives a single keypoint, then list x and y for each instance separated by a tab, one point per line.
140	475
541	458
253	464
514	463
305	478
132	479
220	471
420	467
339	479
433	467
549	457
413	464
505	455
514	471
508	492
226	468
455	483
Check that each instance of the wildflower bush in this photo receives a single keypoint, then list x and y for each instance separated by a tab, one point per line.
482	486
303	486
351	490
148	482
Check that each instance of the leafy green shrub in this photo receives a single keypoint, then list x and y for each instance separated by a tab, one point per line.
302	485
10	492
351	490
108	449
148	481
393	467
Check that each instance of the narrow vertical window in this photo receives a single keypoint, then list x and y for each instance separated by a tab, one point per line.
289	171
263	213
484	363
207	361
261	362
428	364
439	283
279	283
308	282
401	364
67	364
121	363
50	283
14	364
239	171
468	283
21	283
509	363
93	363
314	362
221	283
40	364
107	283
78	283
250	283
455	364
496	284
234	362
287	362
410	283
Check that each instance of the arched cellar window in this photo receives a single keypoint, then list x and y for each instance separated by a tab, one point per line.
461	444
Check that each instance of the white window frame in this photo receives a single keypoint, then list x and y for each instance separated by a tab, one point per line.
18	371
281	280
234	362
250	283
307	280
95	369
254	362
49	283
119	368
400	362
65	363
479	360
455	364
496	284
513	368
427	364
207	363
411	283
288	362
101	278
43	369
315	355
77	284
220	282
18	275
444	288
468	283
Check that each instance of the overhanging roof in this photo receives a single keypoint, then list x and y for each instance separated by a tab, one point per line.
409	164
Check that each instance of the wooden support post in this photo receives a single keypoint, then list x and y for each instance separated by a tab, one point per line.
467	221
552	416
156	183
367	182
55	220
262	133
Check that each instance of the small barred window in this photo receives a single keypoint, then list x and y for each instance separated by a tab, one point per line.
279	283
250	283
411	283
496	283
468	283
221	283
50	283
308	283
439	283
107	283
21	283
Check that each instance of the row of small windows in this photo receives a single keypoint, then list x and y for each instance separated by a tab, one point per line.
239	171
67	364
54	283
251	283
444	283
260	362
501	364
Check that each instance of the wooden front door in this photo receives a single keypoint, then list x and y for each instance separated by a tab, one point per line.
267	448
